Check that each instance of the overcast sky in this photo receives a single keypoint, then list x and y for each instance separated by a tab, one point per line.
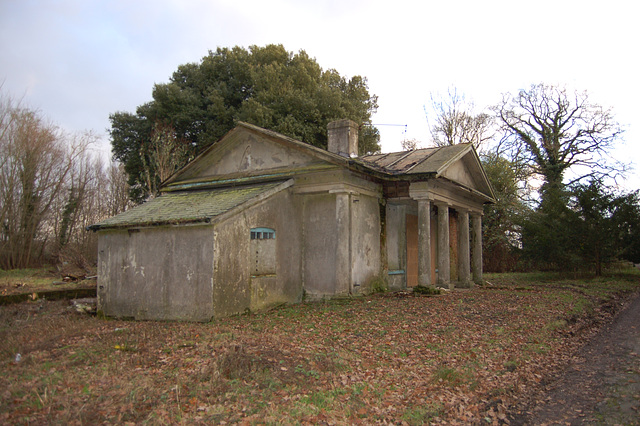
77	61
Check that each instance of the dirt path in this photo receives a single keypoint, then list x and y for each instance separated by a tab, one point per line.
602	383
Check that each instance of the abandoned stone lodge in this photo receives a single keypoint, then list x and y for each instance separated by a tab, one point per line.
260	219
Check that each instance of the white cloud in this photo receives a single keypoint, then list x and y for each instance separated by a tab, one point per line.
78	61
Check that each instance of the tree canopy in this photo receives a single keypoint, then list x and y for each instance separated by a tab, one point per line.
266	86
500	225
586	224
551	131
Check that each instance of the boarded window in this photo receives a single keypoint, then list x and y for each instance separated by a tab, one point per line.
263	251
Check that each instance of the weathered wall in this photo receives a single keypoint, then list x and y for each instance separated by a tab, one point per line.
237	285
365	241
320	243
156	273
396	246
246	152
453	244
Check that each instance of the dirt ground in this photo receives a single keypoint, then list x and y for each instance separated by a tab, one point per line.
601	385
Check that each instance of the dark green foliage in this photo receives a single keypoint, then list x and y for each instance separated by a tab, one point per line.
429	291
584	227
266	86
595	226
547	233
626	210
501	222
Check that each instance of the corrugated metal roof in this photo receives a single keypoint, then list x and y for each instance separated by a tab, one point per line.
186	207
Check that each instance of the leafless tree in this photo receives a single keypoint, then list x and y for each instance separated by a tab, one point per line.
161	157
51	188
455	121
410	144
549	131
35	164
117	190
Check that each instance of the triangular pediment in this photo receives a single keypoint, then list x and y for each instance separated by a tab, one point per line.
466	170
251	151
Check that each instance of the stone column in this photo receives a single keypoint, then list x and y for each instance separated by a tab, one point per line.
476	253
424	243
343	247
444	272
464	255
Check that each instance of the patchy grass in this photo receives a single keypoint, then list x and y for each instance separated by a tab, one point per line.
27	277
463	356
20	281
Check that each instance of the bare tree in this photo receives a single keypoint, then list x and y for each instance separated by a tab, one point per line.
116	190
410	144
34	166
455	121
92	193
549	131
80	187
51	188
161	157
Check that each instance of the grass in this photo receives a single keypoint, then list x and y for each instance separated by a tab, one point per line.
379	358
20	281
27	277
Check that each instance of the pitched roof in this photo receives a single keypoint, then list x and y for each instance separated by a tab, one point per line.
427	160
190	207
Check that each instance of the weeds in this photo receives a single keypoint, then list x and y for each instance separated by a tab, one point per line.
429	291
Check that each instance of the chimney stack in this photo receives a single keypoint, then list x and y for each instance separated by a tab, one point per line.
343	138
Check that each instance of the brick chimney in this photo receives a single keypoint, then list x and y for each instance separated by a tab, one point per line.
343	138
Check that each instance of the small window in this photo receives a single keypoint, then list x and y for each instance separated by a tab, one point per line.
263	252
263	234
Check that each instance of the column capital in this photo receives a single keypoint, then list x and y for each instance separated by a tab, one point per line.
442	203
421	196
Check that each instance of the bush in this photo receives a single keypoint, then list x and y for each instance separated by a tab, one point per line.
429	291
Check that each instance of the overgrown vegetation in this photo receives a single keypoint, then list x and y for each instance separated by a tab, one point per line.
421	289
51	188
463	356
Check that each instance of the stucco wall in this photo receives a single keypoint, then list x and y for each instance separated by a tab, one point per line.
156	273
365	241
341	244
236	289
320	242
246	152
396	246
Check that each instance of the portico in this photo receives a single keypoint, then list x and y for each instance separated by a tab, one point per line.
468	252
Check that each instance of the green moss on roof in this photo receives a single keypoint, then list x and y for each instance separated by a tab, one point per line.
185	207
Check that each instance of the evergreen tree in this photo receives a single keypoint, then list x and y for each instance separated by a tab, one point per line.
266	86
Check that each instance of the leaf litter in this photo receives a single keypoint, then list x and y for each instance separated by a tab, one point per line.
462	357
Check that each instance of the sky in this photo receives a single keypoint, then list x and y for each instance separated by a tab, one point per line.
77	61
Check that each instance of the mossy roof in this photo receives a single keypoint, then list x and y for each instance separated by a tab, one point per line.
186	207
